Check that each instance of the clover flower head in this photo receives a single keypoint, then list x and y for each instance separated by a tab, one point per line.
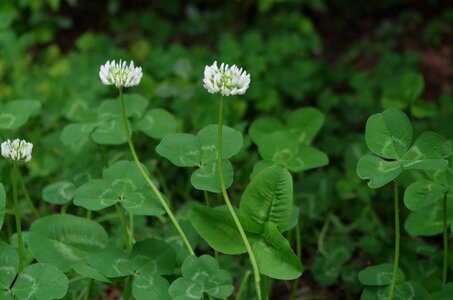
226	80
120	74
17	150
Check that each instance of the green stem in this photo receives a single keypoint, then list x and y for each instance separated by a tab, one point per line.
208	204
148	180
445	265
162	181
20	243
206	199
88	289
243	285
397	240
265	287
126	237
299	255
131	228
64	208
322	237
230	207
127	288
27	195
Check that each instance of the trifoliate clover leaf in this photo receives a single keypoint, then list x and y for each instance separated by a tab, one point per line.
149	259
289	145
187	150
389	136
121	183
201	275
105	126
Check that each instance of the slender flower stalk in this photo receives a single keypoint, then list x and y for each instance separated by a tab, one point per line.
126	235
148	180
230	206
230	81
20	242
17	151
397	240
445	237
122	76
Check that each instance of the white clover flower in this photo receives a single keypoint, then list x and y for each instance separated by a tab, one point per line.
120	74
226	80
17	150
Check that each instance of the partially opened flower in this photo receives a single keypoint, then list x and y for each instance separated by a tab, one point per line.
17	150
226	80
120	74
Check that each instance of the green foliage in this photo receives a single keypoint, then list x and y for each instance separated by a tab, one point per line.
201	275
186	150
265	211
149	260
2	204
289	145
40	281
389	136
425	200
121	184
105	126
15	114
64	240
306	106
60	192
37	281
379	275
9	261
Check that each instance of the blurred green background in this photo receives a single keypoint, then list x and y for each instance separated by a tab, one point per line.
349	59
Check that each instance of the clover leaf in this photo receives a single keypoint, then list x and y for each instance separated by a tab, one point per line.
37	281
187	150
289	145
121	183
149	260
64	240
389	137
105	127
425	200
15	114
265	211
201	275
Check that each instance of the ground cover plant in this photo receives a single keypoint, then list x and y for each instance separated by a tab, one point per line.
239	150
